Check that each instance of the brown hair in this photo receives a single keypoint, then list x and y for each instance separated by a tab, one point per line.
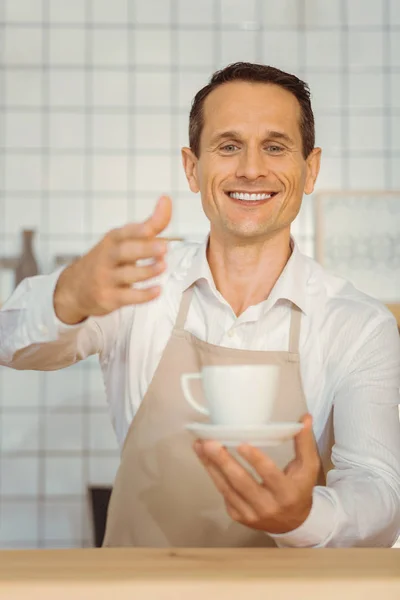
243	71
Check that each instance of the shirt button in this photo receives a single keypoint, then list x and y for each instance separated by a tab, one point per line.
44	329
231	333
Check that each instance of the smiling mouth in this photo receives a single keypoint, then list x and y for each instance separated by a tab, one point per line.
251	197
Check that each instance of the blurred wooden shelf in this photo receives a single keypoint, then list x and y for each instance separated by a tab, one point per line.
8	262
65	259
395	309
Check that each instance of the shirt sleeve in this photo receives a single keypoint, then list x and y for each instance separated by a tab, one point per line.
32	337
360	505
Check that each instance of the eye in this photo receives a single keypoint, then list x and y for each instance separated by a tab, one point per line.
229	148
274	149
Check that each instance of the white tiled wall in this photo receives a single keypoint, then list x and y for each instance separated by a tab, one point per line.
94	100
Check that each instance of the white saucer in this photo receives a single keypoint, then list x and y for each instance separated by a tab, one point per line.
272	434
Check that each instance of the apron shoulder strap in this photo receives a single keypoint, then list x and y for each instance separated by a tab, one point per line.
184	307
294	335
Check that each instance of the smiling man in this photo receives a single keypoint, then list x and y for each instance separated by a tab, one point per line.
245	296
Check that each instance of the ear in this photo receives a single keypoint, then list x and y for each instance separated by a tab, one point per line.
189	161
313	164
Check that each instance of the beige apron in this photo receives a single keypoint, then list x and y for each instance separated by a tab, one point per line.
162	495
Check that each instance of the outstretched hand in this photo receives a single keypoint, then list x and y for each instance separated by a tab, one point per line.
101	281
283	501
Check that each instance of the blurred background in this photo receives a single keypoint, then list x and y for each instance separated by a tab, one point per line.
94	104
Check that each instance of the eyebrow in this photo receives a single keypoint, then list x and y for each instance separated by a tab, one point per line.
270	135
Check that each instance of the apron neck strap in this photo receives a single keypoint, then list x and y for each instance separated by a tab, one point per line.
294	335
184	308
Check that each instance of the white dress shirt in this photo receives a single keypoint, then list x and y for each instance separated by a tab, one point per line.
349	357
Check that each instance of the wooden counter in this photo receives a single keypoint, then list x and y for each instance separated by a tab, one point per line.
192	574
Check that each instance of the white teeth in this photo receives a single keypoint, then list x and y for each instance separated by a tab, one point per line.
254	197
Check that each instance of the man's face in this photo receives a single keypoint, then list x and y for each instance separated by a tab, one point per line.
251	144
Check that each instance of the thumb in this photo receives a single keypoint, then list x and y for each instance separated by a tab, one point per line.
160	218
304	442
306	458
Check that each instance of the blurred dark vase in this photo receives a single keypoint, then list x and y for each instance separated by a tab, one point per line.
99	498
27	265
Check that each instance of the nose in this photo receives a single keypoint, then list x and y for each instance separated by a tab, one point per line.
252	164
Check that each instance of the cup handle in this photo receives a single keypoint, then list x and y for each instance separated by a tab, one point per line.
185	379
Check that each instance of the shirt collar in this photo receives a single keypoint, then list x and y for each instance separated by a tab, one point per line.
291	284
199	267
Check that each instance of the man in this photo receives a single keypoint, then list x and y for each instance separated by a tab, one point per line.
247	295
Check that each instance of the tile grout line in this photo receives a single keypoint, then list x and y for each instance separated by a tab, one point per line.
173	100
102	26
306	216
88	226
44	221
259	33
387	88
131	115
3	224
165	69
217	30
345	173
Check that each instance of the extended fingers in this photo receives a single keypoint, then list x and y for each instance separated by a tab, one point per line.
237	507
235	474
129	274
273	478
130	251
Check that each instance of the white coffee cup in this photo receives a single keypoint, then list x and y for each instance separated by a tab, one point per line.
235	394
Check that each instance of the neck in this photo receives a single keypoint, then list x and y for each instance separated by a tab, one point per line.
245	274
